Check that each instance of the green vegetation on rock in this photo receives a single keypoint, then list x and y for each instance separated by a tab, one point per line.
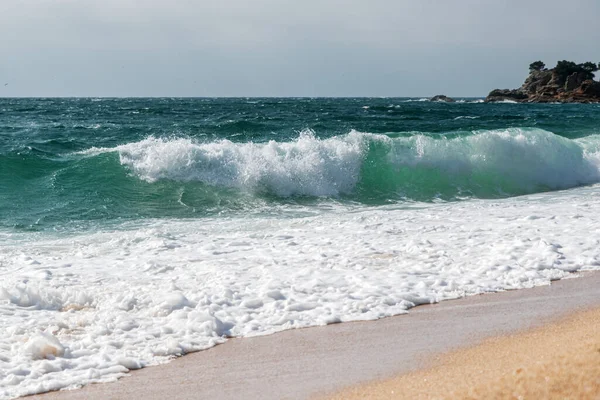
536	66
565	68
568	82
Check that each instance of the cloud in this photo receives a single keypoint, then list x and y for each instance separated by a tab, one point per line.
281	47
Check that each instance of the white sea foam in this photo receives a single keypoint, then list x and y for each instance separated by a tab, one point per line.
465	117
88	308
422	99
524	159
306	166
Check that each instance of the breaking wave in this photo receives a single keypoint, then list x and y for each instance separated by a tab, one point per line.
483	164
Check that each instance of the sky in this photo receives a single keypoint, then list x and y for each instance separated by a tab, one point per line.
198	48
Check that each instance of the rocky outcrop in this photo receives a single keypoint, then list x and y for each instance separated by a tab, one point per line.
497	95
442	98
536	81
550	86
589	88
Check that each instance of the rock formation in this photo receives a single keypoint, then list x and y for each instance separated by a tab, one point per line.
566	83
442	98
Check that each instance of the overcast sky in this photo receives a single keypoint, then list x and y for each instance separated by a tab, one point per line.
285	48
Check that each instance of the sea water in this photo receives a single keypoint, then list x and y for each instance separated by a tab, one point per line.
136	230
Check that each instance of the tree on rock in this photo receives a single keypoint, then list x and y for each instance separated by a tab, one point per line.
589	67
536	66
565	68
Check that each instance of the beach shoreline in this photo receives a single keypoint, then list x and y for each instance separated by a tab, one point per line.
558	360
157	227
318	361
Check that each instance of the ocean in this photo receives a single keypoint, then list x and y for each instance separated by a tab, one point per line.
136	230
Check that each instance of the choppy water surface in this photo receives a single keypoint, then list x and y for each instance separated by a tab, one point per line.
133	230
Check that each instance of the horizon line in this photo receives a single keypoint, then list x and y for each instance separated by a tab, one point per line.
233	97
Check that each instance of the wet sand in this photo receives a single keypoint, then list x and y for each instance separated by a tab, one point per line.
557	361
312	362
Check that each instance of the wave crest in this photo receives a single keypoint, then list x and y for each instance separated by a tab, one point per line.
512	160
484	164
306	166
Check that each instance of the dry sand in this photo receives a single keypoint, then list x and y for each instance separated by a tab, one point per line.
557	361
302	363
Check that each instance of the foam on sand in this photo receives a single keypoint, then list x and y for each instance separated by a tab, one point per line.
87	308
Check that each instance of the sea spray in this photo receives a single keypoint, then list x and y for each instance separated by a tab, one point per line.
306	166
485	164
367	166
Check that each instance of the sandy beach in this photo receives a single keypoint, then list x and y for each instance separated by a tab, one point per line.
560	360
320	361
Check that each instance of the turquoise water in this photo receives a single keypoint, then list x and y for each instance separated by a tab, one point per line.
81	163
136	230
